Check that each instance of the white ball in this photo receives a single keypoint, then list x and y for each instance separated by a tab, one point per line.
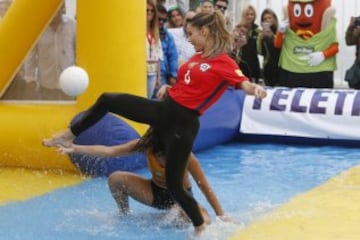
73	81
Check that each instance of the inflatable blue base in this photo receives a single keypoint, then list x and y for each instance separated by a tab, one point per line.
220	123
109	131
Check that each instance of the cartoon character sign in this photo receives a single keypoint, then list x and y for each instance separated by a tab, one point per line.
308	43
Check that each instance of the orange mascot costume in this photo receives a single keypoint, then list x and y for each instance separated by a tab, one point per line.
308	43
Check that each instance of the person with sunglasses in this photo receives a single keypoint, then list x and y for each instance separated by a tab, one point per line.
175	120
222	6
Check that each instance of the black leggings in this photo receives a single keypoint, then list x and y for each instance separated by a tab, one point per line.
309	80
175	125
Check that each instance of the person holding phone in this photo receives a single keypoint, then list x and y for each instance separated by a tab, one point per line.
352	38
266	48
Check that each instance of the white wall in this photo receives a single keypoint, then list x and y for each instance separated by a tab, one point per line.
70	8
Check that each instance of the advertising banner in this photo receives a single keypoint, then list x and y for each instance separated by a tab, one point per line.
298	112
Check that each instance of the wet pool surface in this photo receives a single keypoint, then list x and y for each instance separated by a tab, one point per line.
249	179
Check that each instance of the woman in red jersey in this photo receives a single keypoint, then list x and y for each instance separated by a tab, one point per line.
175	120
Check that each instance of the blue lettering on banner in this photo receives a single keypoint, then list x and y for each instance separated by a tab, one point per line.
296	107
317	104
316	100
356	105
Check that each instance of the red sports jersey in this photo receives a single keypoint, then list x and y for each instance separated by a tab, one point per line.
202	81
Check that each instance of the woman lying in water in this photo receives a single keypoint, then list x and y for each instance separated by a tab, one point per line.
152	192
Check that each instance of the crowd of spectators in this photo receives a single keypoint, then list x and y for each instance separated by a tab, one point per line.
167	47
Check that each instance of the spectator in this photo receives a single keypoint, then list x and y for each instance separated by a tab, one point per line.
176	17
184	48
154	52
180	4
4	5
222	6
206	6
249	51
169	63
161	2
55	51
240	39
271	70
352	38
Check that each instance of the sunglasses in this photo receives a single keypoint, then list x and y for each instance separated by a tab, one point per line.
221	7
162	20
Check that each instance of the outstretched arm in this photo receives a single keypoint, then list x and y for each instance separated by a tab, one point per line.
100	150
197	173
252	89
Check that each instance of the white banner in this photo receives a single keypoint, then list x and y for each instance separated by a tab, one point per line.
298	112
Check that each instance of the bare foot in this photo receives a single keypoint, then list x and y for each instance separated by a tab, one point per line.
64	138
205	214
200	229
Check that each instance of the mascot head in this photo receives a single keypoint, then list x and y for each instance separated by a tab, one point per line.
305	16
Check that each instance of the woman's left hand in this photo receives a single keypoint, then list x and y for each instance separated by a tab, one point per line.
162	92
259	91
65	149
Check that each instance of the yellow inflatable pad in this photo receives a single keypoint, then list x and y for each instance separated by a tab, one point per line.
18	184
328	212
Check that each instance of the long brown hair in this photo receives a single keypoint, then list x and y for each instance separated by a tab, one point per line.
149	142
270	12
215	22
154	25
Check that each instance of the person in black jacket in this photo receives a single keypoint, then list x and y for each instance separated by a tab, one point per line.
265	47
249	58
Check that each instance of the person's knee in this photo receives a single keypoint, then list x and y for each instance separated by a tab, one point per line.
116	179
104	97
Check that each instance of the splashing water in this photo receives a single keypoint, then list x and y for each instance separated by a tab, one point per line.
249	179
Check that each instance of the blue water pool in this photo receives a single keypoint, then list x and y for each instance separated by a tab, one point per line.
249	180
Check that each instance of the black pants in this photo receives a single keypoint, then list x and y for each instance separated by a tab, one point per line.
308	80
162	197
175	125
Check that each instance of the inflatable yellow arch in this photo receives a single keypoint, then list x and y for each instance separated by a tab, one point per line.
110	46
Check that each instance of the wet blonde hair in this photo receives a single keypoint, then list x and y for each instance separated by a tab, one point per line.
215	22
